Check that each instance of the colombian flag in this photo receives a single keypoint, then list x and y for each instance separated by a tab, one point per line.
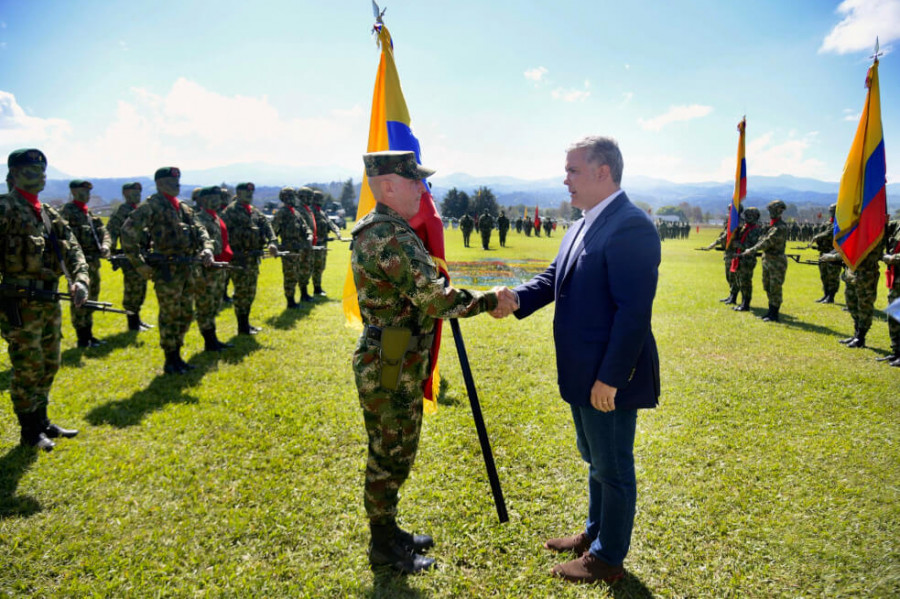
862	202
389	129
740	184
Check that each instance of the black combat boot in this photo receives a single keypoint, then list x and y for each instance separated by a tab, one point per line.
291	302
86	338
32	435
850	339
51	430
386	549
304	295
173	363
822	299
860	340
144	326
829	299
772	316
134	322
244	327
894	355
317	290
414	542
745	304
211	342
732	298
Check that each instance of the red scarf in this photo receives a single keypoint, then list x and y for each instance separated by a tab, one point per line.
81	206
248	208
772	222
891	271
31	198
733	267
174	201
227	254
315	234
291	208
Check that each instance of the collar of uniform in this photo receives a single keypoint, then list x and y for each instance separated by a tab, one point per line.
384	209
31	198
172	200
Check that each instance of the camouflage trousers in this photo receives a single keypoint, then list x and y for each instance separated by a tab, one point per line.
393	420
245	285
296	270
209	285
743	278
774	268
176	304
502	238
319	257
33	353
860	291
893	325
81	317
134	289
485	239
729	276
830	273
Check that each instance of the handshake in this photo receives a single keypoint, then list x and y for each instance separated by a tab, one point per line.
507	302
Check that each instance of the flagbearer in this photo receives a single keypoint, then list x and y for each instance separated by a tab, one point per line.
400	295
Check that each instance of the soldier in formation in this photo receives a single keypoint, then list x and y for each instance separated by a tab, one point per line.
305	195
95	243
400	295
37	248
466	224
177	239
892	259
296	238
249	232
209	282
829	272
774	261
133	284
860	292
528	225
320	251
746	236
485	226
728	256
519	225
502	227
548	225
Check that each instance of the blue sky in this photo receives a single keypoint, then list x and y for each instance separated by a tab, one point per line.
494	88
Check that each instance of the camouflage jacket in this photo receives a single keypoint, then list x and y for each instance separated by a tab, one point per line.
210	222
892	247
26	251
88	230
746	236
114	225
823	241
485	223
323	225
774	240
306	213
466	223
397	282
503	223
291	228
171	232
247	232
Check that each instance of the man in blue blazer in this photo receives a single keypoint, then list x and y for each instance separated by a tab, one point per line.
603	281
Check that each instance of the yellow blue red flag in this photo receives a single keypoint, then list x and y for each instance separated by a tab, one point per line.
862	201
740	184
389	129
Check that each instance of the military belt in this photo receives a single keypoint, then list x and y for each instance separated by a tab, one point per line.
416	342
37	284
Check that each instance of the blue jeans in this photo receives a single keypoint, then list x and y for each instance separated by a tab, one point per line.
606	443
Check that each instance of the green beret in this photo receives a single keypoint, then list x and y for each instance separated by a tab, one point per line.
209	191
80	184
245	186
167	171
26	157
132	185
395	163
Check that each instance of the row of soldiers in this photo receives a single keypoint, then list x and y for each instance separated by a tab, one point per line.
486	224
672	230
861	283
185	250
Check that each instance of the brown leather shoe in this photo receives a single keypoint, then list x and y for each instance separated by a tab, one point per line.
588	569
577	544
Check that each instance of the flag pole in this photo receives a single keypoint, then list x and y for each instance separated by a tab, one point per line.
479	423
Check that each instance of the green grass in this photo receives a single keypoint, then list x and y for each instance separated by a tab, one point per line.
770	469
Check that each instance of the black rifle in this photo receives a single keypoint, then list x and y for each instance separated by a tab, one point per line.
10	295
120	261
163	261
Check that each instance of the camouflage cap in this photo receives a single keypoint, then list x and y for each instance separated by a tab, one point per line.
80	184
751	214
776	207
26	157
134	185
167	171
209	191
287	193
245	186
395	163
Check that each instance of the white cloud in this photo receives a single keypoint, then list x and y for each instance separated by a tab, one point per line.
768	157
18	129
675	114
851	115
536	75
570	95
863	21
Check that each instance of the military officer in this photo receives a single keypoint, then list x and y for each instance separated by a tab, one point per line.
134	285
400	295
95	243
176	240
209	283
528	225
774	262
296	238
36	248
503	227
466	224
320	252
485	226
249	232
747	235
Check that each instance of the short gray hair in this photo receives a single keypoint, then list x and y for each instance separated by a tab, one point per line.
602	151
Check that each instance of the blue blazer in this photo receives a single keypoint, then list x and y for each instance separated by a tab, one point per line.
604	303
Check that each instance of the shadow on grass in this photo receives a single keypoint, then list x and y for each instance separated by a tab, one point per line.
12	467
74	355
289	316
391	585
444	397
168	388
630	587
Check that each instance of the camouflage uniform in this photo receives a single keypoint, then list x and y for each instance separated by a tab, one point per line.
829	272
892	259
249	232
774	262
93	238
528	225
466	224
502	228
747	235
485	226
728	257
320	253
134	285
174	233
305	196
296	238
398	285
209	283
860	292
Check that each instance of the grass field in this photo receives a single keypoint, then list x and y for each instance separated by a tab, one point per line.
770	469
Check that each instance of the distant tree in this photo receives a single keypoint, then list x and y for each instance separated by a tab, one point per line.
667	210
644	206
484	201
348	197
455	204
